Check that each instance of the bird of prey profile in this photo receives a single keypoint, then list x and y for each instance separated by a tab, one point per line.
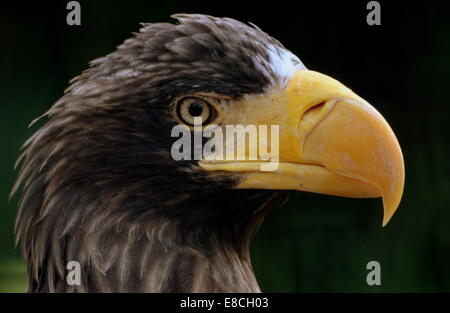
101	187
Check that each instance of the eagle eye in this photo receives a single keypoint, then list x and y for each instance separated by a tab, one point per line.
191	107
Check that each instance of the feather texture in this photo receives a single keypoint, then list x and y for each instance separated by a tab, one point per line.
99	185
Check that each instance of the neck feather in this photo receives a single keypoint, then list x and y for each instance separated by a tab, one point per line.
133	251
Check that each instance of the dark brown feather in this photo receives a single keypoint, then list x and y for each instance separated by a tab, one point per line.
99	185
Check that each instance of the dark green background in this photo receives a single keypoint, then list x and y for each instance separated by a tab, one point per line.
316	242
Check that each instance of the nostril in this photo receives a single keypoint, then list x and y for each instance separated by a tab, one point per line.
312	117
314	110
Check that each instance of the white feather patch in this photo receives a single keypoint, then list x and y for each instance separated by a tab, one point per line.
282	63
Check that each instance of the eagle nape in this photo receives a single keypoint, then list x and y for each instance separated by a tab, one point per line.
101	187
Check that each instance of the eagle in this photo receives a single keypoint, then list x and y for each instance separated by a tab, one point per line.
99	184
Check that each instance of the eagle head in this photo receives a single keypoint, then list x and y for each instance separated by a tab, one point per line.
101	185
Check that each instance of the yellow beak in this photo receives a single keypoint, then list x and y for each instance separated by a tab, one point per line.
331	142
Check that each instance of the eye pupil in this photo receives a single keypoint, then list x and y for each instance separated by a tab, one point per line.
196	109
189	109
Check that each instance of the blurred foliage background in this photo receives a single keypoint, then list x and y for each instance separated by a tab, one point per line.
315	243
